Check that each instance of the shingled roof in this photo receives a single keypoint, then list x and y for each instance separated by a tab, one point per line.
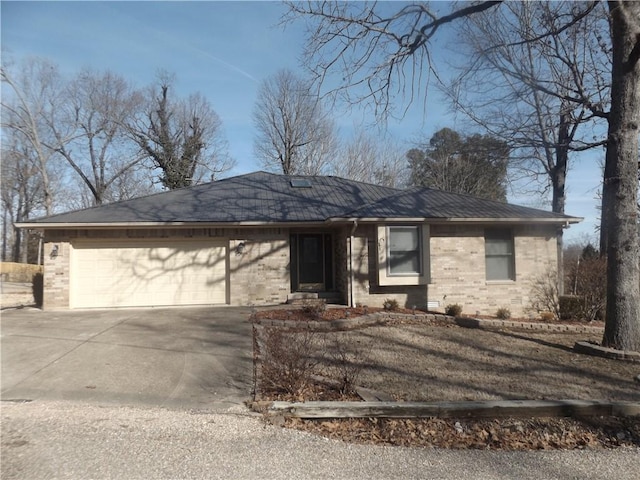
261	197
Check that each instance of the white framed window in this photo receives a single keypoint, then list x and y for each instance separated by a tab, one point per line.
403	250
499	255
403	254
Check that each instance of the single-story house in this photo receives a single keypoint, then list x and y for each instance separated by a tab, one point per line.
262	238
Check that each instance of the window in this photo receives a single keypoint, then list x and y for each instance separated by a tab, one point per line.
499	254
404	251
403	254
300	183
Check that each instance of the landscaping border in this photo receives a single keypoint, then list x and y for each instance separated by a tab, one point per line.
469	409
588	348
379	318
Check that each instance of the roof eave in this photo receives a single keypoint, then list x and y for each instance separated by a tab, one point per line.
560	221
114	225
131	225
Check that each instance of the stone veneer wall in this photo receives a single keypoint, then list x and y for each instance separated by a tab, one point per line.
56	275
260	275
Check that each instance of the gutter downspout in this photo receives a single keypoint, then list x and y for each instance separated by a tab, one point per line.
351	274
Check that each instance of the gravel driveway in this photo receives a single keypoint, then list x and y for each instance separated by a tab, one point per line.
72	441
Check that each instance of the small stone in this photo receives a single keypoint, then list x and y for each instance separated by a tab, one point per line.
458	427
277	420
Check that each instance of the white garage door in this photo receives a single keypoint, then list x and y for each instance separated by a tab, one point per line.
144	273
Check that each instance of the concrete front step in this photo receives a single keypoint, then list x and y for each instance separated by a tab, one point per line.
307	298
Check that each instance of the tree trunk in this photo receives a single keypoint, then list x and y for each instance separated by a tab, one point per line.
558	180
620	190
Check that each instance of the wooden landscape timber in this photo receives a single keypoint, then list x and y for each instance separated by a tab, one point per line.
487	409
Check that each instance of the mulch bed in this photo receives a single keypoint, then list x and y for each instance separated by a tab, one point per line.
503	434
339	313
311	314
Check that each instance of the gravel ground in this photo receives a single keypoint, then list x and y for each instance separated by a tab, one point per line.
71	441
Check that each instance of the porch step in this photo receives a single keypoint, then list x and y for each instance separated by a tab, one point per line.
299	298
302	298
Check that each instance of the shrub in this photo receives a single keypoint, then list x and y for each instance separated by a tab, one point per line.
587	279
503	313
544	293
345	364
314	308
289	359
547	316
391	304
453	310
571	307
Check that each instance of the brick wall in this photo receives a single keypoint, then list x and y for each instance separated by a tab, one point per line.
259	275
458	268
366	289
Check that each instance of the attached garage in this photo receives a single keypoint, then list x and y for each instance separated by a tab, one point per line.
148	273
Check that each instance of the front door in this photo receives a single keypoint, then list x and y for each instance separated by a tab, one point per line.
311	274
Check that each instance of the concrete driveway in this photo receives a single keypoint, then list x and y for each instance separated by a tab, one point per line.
195	358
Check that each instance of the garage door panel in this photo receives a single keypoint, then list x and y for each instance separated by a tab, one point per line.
137	274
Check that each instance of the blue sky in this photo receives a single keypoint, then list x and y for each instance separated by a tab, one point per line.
223	50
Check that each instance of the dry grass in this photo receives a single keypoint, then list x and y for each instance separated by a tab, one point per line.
419	361
426	362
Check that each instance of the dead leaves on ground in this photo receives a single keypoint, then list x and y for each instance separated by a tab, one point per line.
503	434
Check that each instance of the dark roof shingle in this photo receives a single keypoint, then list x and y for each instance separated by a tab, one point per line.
262	197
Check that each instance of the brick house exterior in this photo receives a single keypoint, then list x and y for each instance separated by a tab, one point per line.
261	239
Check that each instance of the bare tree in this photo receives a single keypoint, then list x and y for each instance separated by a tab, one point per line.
182	137
21	195
546	96
96	109
377	52
388	52
294	134
30	168
371	159
473	165
28	109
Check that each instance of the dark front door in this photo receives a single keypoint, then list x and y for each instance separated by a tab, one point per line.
311	275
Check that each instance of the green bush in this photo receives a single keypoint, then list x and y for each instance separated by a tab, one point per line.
571	307
453	310
503	313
